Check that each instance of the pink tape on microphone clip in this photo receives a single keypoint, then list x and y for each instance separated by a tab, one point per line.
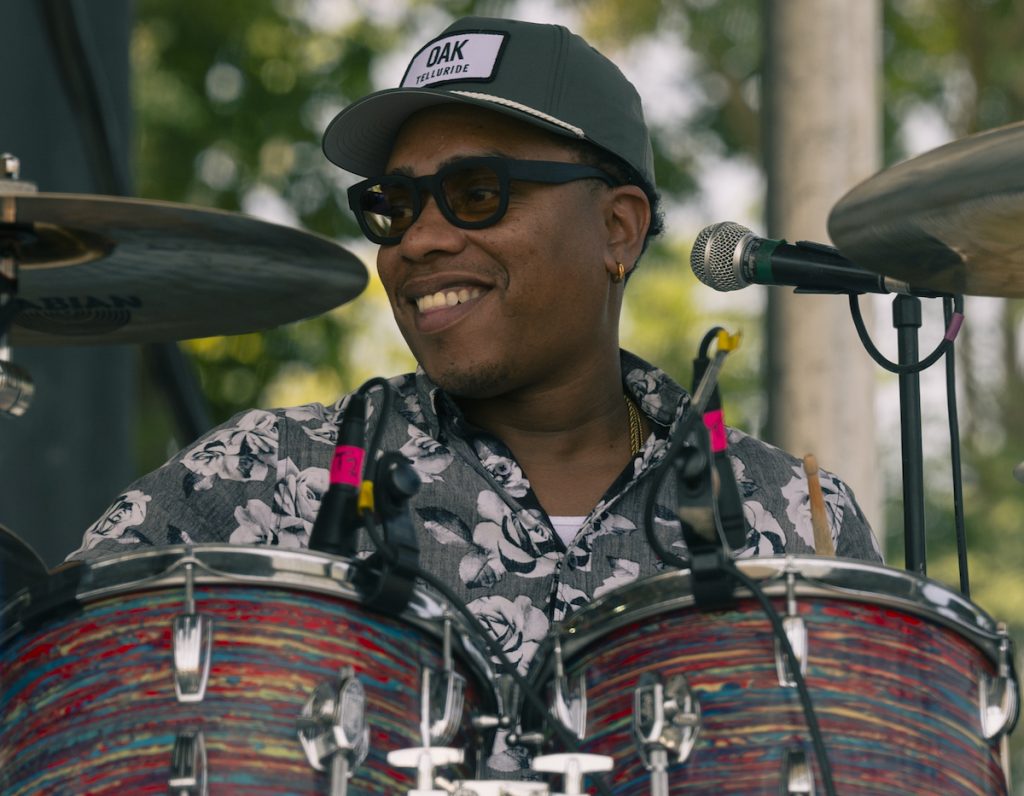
715	421
347	465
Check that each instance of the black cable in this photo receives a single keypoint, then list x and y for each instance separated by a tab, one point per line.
563	735
378	429
664	467
817	740
709	338
952	328
686	425
954	456
953	315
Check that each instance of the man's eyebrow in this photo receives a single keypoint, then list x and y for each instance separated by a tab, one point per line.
406	171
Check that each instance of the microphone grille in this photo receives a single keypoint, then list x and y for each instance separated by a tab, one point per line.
715	257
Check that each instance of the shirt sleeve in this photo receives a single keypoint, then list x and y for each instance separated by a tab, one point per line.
220	488
854	537
777	504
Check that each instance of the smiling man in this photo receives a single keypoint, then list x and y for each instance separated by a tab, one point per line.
510	187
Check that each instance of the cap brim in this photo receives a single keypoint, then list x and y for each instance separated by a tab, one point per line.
360	138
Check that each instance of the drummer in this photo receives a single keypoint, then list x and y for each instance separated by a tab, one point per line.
510	187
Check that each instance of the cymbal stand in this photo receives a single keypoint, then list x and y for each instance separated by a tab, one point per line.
16	388
906	319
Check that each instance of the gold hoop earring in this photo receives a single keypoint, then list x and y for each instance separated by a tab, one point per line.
620	274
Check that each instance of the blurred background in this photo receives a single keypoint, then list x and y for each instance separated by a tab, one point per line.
222	105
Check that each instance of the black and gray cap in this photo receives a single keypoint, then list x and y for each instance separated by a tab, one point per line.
543	74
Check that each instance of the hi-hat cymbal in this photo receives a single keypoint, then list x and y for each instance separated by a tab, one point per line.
101	269
951	219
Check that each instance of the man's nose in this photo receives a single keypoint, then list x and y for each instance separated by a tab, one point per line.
430	232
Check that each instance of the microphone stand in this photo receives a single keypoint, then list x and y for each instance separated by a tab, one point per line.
690	459
730	504
906	319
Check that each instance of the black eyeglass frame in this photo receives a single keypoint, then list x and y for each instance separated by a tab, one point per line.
549	172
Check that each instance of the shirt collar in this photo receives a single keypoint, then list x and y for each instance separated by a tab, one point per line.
653	390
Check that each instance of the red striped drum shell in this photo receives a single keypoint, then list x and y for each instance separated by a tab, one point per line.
89	704
895	668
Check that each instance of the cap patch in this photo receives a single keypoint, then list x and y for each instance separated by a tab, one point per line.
460	56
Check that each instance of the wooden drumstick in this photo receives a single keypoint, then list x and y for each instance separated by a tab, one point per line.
819	516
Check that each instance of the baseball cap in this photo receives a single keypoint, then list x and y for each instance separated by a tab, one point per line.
542	74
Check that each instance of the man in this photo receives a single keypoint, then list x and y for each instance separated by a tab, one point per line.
511	189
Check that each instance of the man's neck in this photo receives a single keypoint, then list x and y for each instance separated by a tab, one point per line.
581	411
571	441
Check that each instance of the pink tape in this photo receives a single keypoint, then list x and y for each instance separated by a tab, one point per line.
955	322
347	465
715	421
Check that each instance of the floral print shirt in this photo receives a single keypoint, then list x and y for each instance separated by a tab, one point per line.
258	479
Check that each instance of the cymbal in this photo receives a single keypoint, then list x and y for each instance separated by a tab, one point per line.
104	269
951	219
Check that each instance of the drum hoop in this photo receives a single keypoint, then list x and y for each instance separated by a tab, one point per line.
294	570
814	577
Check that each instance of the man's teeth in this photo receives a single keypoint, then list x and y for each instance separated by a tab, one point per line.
447	298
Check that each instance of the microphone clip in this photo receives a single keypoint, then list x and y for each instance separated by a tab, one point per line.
385	580
697	484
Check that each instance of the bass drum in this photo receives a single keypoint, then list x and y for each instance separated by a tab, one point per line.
912	685
227	670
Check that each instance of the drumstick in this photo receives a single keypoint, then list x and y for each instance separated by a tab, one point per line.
819	517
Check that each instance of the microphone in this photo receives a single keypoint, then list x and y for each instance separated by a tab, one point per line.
335	526
728	256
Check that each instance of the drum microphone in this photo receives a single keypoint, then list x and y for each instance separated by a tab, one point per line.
337	521
728	256
355	500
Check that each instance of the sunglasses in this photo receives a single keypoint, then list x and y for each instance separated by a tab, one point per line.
471	193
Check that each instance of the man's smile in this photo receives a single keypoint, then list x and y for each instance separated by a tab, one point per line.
449	297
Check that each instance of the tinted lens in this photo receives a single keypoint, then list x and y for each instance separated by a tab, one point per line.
473	193
387	207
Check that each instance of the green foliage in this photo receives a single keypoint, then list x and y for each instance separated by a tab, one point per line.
232	99
963	57
663	322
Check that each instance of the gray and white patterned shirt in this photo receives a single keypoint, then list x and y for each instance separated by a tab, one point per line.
258	479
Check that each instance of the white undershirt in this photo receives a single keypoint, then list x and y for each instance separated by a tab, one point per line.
567	527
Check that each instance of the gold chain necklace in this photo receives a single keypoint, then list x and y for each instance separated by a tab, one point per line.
636	440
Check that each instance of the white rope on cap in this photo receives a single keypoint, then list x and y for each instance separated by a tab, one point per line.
578	132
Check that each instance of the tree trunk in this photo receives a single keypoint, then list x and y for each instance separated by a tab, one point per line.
822	136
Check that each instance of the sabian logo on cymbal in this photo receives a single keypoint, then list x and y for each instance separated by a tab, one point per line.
59	304
75	315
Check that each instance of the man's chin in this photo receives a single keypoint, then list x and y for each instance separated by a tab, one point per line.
477	382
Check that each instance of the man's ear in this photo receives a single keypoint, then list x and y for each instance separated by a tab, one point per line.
627	218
